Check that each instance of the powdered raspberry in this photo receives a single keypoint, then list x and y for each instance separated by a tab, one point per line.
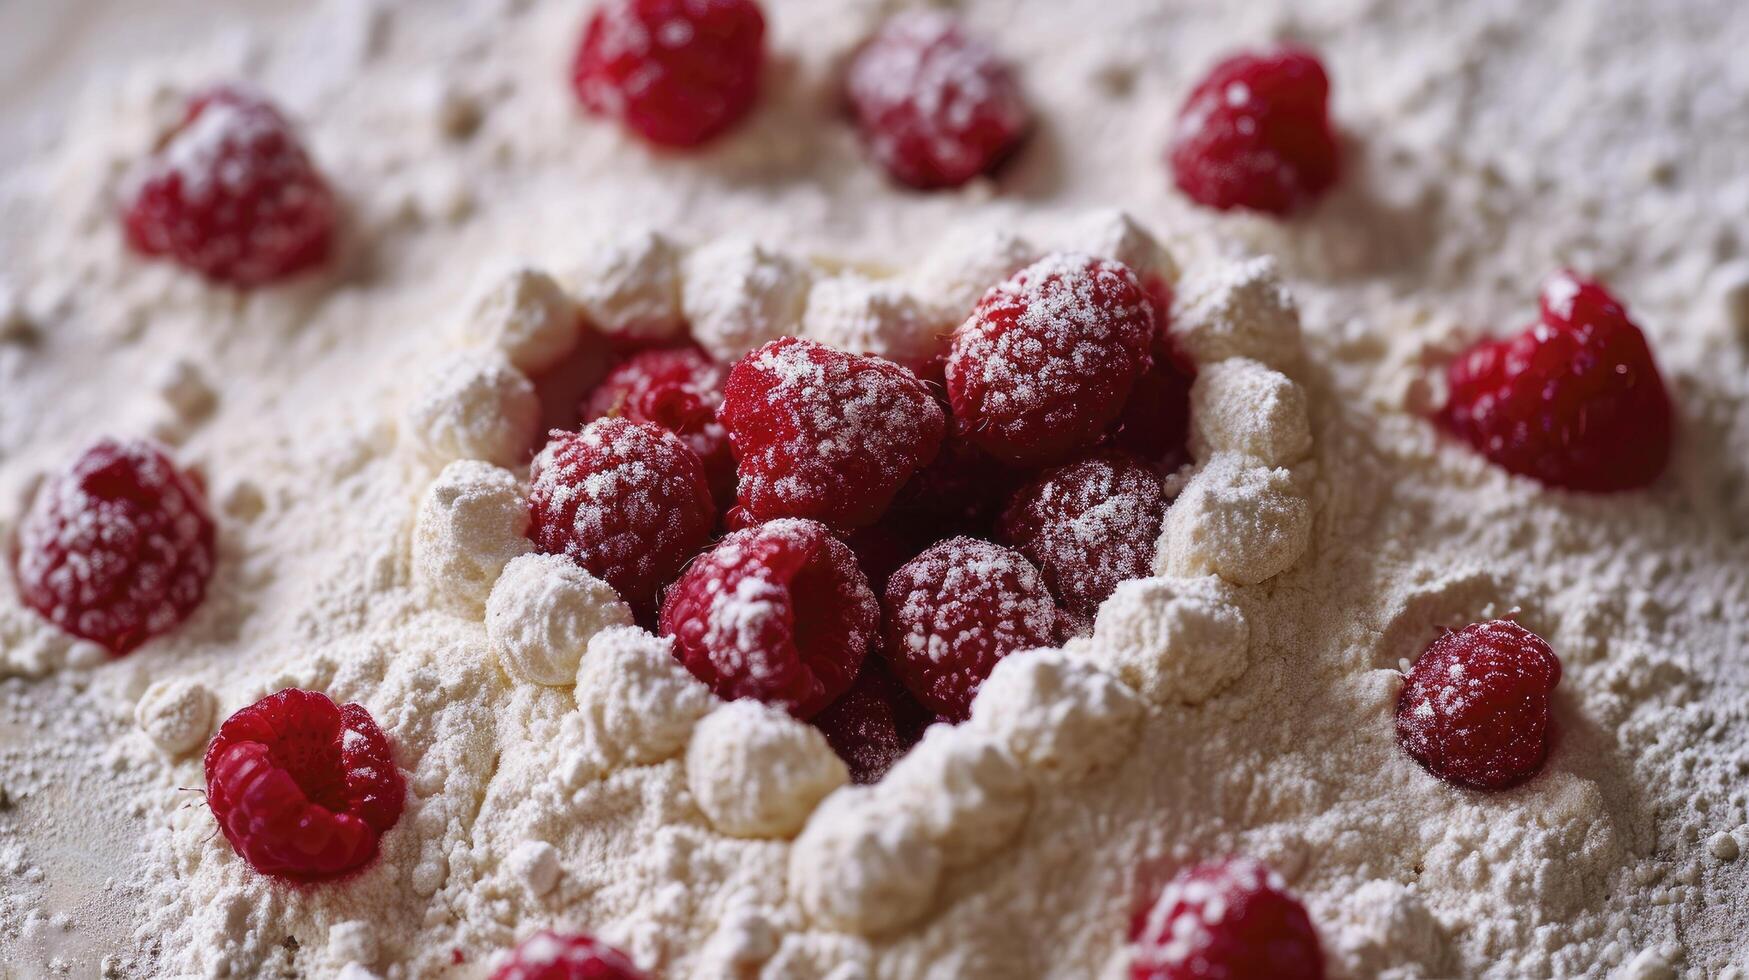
1049	357
936	107
1229	919
1575	401
302	788
1256	134
1475	707
874	723
118	548
676	72
232	195
625	500
778	612
678	389
549	955
1155	424
826	435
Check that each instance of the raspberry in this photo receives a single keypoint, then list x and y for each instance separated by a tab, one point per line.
826	435
549	955
777	612
232	195
1255	134
676	72
935	107
1049	357
302	788
1575	401
678	389
874	723
1230	919
961	491
1475	707
625	500
955	610
1088	525
1155	424
117	549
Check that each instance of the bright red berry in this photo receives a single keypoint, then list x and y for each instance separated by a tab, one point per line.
676	72
826	435
1049	357
935	106
874	723
1256	134
678	389
1475	707
548	955
1575	401
302	788
1155	424
118	548
232	194
1226	920
777	612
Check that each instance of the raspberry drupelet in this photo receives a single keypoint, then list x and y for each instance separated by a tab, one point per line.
1231	919
549	955
874	723
678	389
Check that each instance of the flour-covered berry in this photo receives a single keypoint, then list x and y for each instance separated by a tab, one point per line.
678	389
874	723
549	955
1232	919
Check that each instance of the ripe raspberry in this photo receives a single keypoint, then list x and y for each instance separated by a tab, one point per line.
676	72
1232	919
1255	133
117	549
1575	401
961	491
625	500
303	788
874	723
232	195
778	612
1475	707
1049	357
678	389
936	108
826	435
955	610
548	955
1155	424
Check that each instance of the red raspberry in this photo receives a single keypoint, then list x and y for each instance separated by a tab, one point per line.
936	108
961	491
1048	358
301	788
1232	919
625	500
117	549
778	612
676	72
1475	707
874	723
1155	424
678	389
1575	401
955	610
232	195
826	435
548	955
1256	134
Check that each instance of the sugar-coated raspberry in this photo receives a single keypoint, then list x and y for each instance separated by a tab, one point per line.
777	612
678	389
1475	706
826	435
955	610
549	955
1048	358
676	72
303	788
118	548
874	723
936	107
626	500
1255	134
232	194
1226	920
1575	401
1155	424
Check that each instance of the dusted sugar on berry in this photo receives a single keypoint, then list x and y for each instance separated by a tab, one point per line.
1048	358
626	500
678	389
232	195
118	548
1232	919
826	435
874	723
301	787
1575	401
549	955
954	611
1475	708
935	106
675	72
777	612
1256	134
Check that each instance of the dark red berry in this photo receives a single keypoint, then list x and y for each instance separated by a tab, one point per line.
1475	707
678	389
961	491
1155	424
303	788
1231	920
549	955
874	723
118	548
